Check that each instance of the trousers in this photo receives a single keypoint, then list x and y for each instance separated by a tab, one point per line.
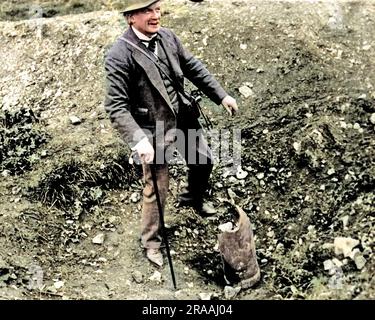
197	183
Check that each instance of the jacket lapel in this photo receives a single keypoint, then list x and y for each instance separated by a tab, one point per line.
172	60
149	67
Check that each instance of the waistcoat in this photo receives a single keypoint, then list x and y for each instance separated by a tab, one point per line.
165	65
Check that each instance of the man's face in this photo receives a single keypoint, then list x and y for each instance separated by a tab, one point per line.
147	20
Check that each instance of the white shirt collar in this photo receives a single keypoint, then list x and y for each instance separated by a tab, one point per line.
141	36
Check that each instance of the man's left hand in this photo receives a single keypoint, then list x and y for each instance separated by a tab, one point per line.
230	104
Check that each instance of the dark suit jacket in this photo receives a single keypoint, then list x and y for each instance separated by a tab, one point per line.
136	96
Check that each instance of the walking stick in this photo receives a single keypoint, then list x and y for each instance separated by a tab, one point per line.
161	216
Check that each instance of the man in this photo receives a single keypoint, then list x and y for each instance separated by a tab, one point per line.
141	95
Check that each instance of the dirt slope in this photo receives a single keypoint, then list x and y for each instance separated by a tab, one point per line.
307	145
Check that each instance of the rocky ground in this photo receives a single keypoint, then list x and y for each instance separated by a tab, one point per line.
303	75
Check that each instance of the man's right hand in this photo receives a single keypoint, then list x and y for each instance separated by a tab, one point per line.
145	151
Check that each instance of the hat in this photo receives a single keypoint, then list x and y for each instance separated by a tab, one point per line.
132	5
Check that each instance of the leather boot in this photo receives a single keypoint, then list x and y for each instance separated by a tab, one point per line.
193	194
155	256
203	208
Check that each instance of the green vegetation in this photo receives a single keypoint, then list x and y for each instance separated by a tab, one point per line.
20	9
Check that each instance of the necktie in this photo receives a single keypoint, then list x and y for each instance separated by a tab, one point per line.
151	43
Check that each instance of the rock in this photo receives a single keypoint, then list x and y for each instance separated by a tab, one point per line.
246	91
137	276
359	261
98	239
230	292
226	227
331	171
270	234
232	180
297	147
44	153
344	245
345	221
156	277
241	174
366	47
75	120
58	284
328	264
280	247
205	296
353	253
51	289
135	197
362	96
243	46
372	118
335	23
218	185
260	175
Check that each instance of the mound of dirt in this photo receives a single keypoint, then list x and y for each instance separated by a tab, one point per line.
303	76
